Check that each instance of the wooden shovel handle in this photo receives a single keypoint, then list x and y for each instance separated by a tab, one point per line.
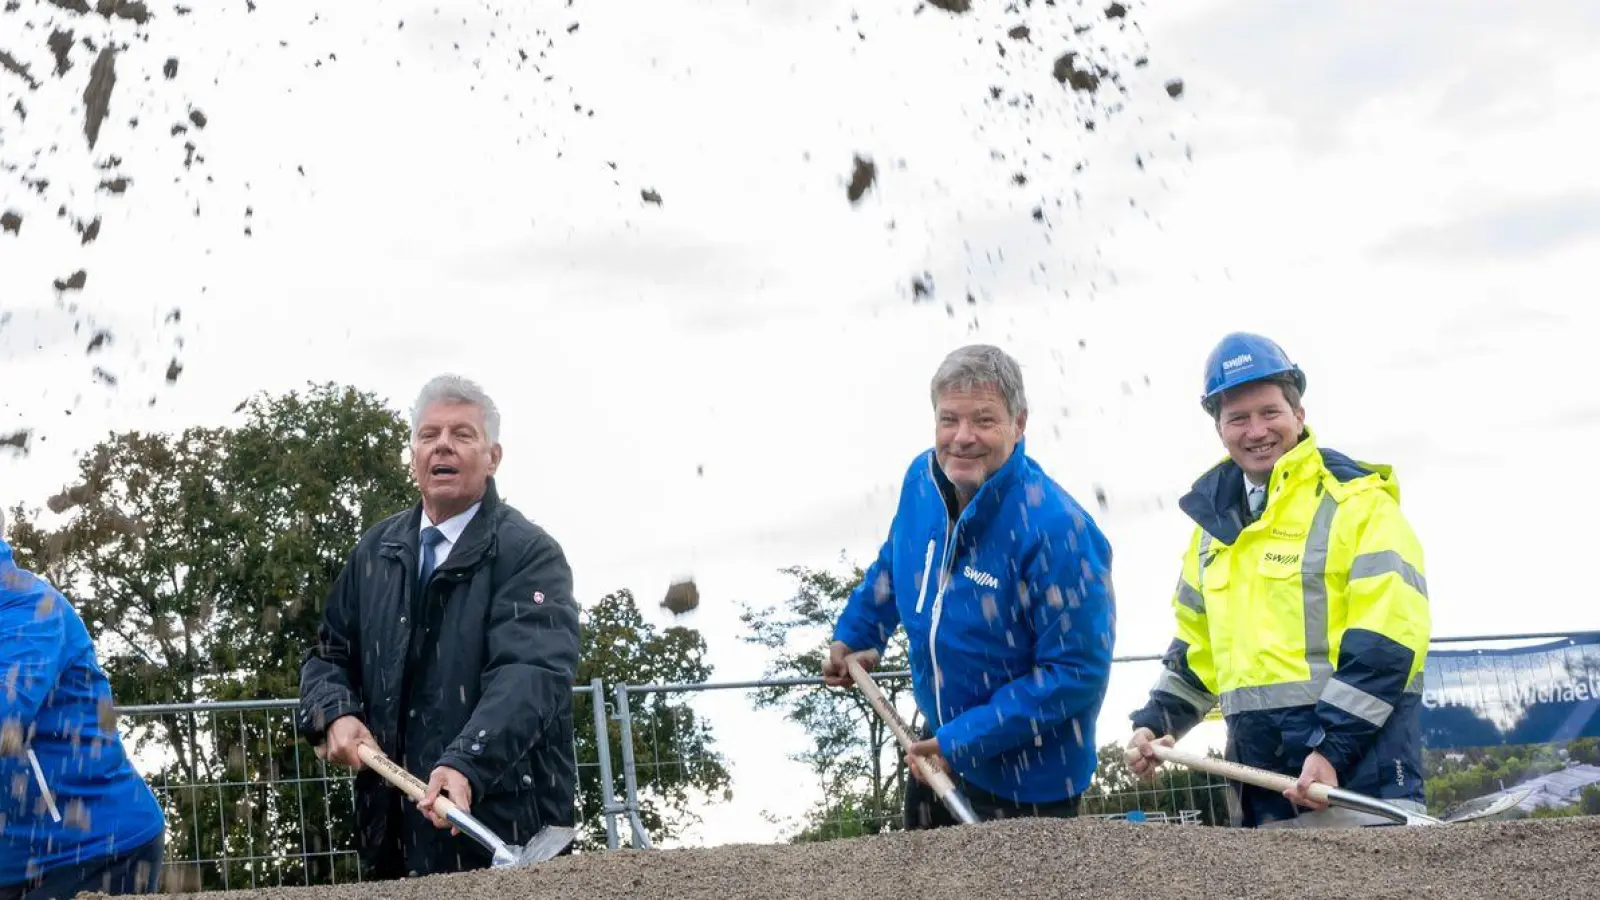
939	781
1261	778
413	787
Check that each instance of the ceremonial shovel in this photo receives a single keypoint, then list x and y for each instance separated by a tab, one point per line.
1272	781
946	789
550	840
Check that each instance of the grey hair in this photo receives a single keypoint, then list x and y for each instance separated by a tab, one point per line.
456	389
982	365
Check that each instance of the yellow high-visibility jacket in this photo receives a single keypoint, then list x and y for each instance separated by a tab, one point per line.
1309	626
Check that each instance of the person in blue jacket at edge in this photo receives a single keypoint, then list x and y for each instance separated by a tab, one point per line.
74	815
1003	584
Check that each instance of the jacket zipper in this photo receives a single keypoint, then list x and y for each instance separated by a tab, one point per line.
927	572
938	610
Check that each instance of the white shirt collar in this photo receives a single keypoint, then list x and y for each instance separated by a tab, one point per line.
451	528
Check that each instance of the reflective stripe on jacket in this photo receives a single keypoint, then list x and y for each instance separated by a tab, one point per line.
1309	626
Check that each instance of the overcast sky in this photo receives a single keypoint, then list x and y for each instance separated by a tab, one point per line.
1404	196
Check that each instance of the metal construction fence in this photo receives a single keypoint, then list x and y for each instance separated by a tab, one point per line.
249	804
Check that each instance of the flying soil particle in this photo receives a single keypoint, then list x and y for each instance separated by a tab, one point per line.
11	221
1066	71
73	282
100	339
198	118
1175	88
104	377
1019	33
97	95
137	12
862	178
1019	179
1116	11
114	185
77	6
61	46
952	6
171	68
174	369
921	287
682	596
87	233
20	110
572	28
21	71
650	196
17	440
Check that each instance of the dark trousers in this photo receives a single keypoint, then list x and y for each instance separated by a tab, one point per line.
137	871
925	810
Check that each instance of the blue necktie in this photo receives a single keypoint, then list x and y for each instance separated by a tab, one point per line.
431	537
1258	500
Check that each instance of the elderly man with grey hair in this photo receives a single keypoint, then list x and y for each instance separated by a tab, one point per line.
1003	584
449	643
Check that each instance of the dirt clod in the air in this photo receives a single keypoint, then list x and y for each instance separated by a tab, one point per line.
11	221
97	95
1116	11
1045	859
73	282
1175	88
10	63
1066	71
650	196
682	596
61	45
952	6
863	175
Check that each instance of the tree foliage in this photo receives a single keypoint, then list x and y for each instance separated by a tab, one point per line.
674	748
201	562
854	755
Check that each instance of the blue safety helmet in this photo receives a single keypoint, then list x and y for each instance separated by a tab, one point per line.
1240	358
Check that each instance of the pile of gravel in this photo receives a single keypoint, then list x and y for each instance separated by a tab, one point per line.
1050	860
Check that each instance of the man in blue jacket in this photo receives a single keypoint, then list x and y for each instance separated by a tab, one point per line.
1003	584
74	814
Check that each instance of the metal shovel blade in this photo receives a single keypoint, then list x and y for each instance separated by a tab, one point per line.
550	841
1485	807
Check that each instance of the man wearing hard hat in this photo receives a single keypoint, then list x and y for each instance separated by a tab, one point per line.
1302	607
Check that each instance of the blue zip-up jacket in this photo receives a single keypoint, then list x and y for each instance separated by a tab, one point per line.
58	706
1010	618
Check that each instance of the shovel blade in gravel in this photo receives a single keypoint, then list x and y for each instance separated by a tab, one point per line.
1485	807
550	841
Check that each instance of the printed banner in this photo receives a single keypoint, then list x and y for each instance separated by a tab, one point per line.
1547	693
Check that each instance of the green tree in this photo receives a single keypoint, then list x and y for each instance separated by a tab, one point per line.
200	561
673	747
854	754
